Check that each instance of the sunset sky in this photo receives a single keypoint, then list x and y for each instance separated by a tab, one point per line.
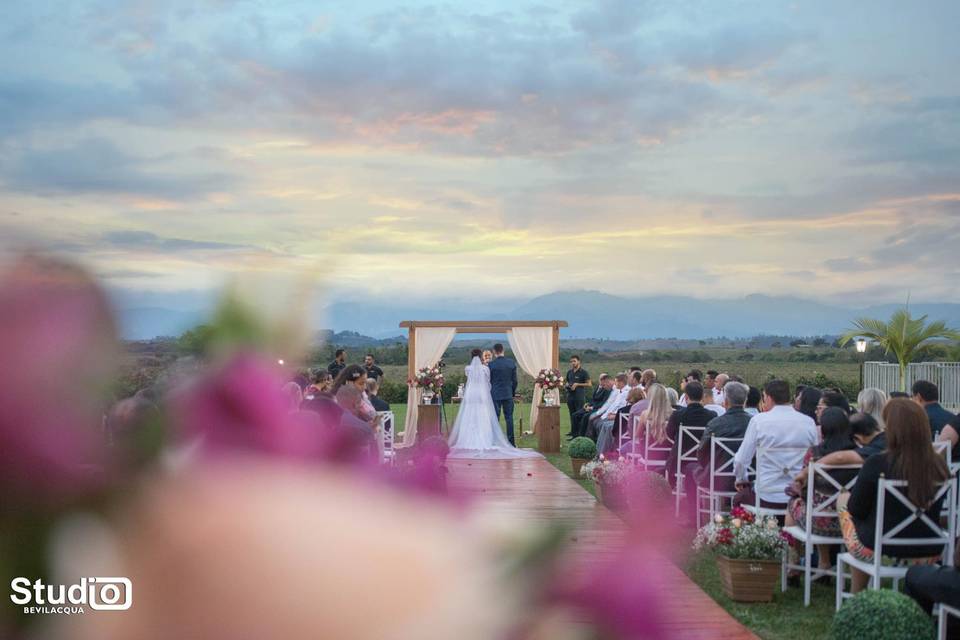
415	149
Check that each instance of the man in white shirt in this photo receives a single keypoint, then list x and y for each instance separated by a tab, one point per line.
617	399
780	425
718	385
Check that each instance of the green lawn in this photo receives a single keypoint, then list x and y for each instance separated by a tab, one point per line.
785	618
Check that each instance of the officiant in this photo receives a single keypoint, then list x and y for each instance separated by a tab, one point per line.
577	383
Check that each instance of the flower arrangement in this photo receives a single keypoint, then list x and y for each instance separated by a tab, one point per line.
429	378
741	536
549	379
606	471
582	448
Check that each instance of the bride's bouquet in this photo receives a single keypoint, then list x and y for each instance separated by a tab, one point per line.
549	379
430	379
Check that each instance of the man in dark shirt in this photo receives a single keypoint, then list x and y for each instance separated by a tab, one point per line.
692	415
578	381
370	366
927	395
578	422
339	363
866	434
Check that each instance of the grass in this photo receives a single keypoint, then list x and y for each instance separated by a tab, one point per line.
783	619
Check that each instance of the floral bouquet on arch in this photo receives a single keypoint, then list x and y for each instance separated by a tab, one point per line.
741	536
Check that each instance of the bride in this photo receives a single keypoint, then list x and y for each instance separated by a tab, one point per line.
476	431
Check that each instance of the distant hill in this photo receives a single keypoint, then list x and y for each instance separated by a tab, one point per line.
591	314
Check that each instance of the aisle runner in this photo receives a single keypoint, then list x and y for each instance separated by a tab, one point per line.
537	492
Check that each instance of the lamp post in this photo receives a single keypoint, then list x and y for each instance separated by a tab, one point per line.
862	350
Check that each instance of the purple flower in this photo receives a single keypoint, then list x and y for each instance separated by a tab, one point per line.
58	342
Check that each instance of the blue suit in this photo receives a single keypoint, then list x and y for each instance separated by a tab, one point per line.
503	386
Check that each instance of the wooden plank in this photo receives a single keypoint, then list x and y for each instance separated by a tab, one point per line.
533	491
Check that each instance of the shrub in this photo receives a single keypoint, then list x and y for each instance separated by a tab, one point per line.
583	448
883	615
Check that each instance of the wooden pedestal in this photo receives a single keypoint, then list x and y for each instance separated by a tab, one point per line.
428	421
548	428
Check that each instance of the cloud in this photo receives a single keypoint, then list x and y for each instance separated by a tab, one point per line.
145	240
97	166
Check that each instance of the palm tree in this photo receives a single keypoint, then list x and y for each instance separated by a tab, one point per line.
902	336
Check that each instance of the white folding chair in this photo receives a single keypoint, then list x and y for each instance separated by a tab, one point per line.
386	436
788	461
827	509
688	443
938	535
653	456
722	451
944	613
624	434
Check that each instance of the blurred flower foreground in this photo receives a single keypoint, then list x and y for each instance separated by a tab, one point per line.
235	517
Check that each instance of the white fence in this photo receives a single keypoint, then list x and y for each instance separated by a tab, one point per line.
946	375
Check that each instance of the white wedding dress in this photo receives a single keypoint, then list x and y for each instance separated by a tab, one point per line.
476	431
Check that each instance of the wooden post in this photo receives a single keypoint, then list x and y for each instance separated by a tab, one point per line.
412	353
556	346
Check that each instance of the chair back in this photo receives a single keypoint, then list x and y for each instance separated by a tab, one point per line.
820	473
788	463
935	533
623	428
653	454
722	451
386	435
945	448
688	443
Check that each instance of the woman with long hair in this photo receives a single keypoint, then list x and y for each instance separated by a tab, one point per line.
871	401
807	400
653	420
909	456
835	431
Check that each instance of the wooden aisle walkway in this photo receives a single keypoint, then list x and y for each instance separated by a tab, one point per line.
535	491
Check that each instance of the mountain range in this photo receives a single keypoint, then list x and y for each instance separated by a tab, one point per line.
590	314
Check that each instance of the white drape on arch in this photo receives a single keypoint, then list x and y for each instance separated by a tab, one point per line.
533	347
429	345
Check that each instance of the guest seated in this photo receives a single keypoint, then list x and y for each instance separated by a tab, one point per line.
608	412
732	424
867	437
833	398
647	378
606	441
951	434
718	385
780	425
674	397
909	457
835	427
930	584
695	375
927	395
578	421
808	401
358	413
692	415
872	401
373	388
294	395
753	401
653	421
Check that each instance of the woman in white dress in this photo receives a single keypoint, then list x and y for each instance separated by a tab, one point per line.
476	431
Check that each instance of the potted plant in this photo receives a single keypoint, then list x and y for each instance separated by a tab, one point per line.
609	477
882	614
582	450
748	553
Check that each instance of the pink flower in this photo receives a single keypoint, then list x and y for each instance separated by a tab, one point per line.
58	342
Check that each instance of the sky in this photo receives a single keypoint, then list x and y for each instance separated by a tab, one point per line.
412	150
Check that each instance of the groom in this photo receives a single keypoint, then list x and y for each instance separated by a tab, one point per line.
503	386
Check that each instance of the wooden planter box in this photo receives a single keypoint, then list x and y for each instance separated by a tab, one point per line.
577	465
749	580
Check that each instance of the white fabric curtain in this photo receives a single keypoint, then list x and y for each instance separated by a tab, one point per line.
429	345
533	347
